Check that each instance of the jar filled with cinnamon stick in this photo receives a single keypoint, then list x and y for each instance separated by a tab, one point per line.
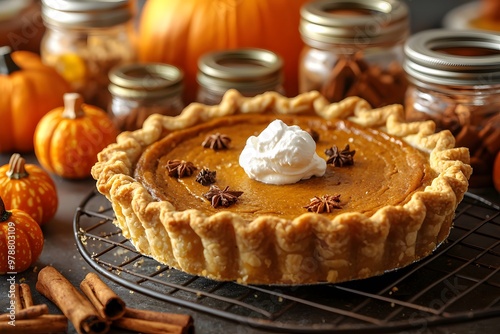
354	48
250	71
454	80
140	90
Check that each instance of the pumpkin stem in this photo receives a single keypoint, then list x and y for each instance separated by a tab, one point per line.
17	167
7	64
73	106
4	214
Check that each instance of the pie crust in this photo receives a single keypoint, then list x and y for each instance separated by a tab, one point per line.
268	249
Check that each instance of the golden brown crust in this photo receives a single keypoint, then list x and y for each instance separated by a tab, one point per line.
270	250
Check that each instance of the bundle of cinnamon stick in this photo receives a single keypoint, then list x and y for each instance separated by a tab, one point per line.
94	312
28	318
354	76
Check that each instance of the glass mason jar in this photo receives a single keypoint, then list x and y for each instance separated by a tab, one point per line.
455	81
84	40
354	48
140	90
250	71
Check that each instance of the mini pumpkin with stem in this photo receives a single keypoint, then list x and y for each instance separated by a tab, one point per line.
21	240
29	188
68	138
28	90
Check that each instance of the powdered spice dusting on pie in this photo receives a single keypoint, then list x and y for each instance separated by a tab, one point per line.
393	205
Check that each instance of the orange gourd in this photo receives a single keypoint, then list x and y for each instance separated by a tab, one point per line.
29	89
29	188
21	240
178	32
68	138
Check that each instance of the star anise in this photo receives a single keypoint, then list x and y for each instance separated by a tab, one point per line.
180	168
340	158
206	177
220	197
216	141
314	134
325	203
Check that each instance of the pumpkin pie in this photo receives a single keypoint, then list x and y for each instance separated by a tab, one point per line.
386	198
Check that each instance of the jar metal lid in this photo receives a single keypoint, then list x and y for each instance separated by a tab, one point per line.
256	70
146	81
86	13
453	57
358	22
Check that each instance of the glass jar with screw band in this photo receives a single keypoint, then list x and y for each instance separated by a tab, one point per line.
250	71
140	90
354	48
84	39
454	80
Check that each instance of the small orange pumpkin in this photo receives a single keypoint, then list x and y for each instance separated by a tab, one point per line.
68	138
29	89
21	240
29	188
178	32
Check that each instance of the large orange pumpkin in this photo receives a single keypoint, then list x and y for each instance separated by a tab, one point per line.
28	90
178	32
68	138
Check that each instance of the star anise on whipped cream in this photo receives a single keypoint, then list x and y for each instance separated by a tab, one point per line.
180	168
325	203
216	141
206	177
340	158
223	197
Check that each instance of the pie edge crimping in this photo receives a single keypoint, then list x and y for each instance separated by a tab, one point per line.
269	250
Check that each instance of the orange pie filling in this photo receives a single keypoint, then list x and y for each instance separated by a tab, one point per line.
386	171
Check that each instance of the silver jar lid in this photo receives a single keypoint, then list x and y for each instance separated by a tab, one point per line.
357	22
242	69
146	81
453	57
86	13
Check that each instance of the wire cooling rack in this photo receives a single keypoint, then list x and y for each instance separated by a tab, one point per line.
460	282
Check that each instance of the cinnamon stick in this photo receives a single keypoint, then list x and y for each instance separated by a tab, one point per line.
48	323
106	302
71	302
146	326
27	313
112	307
184	320
18	306
22	293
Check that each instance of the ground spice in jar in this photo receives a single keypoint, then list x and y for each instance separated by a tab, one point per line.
354	48
140	90
455	81
250	71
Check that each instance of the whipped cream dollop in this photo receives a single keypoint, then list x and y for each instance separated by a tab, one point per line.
281	154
